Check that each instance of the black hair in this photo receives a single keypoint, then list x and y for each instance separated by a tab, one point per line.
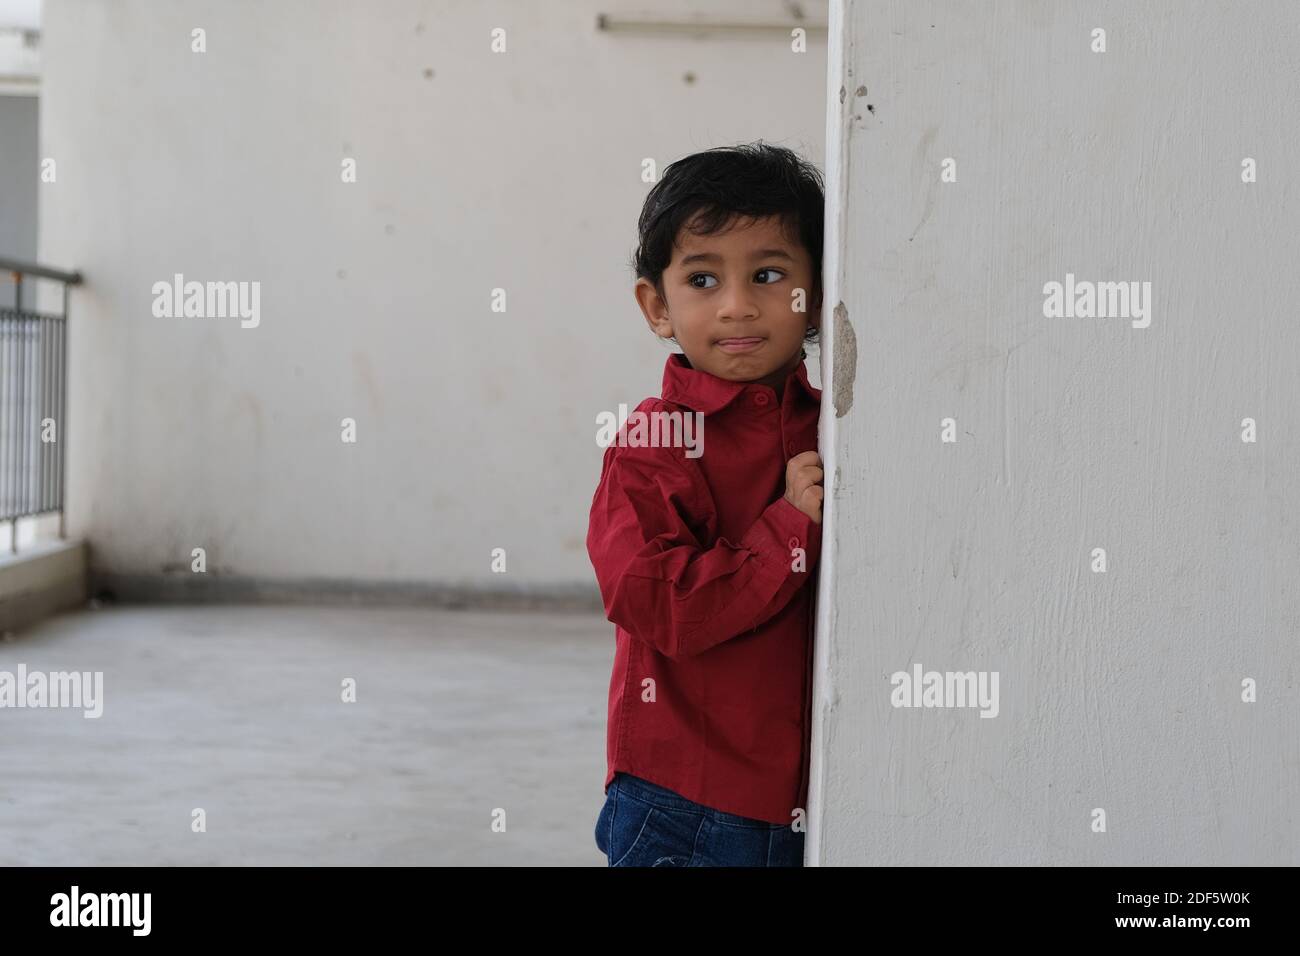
711	189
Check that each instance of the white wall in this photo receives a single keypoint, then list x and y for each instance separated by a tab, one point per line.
476	430
1118	690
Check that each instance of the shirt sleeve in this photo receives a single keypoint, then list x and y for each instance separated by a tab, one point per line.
661	584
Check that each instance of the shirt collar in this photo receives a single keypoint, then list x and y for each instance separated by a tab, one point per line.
704	392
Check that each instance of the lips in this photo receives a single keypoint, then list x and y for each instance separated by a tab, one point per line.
744	344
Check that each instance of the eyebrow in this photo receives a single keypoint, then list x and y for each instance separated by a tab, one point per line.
760	254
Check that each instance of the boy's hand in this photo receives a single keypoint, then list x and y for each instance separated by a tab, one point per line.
803	478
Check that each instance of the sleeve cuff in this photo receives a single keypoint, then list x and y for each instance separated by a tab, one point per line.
778	532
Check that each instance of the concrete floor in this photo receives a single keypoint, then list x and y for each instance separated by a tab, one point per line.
237	710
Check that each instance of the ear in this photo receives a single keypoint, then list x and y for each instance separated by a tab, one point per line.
815	313
654	308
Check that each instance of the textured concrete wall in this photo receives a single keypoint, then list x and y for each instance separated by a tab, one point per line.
1120	690
475	171
41	581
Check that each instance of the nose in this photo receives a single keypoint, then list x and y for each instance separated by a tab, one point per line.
739	304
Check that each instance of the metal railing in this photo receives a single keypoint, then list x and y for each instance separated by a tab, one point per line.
33	401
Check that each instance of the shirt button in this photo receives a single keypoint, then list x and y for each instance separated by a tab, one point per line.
789	447
760	398
792	543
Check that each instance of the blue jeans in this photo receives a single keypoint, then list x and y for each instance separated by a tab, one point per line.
644	824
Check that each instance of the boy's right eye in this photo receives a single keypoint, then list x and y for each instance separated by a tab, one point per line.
700	275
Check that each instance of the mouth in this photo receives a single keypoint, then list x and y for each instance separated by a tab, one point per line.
746	344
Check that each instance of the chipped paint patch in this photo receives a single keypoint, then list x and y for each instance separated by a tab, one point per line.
845	367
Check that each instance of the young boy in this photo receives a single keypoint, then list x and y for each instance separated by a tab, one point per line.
706	561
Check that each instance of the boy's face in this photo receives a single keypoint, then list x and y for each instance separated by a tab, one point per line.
729	301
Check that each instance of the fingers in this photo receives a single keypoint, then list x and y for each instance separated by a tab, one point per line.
812	503
804	468
803	477
803	462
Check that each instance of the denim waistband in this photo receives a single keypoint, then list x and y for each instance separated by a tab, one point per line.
638	788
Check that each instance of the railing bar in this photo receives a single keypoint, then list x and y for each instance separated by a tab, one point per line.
58	425
11	468
38	395
45	413
4	406
22	425
51	449
15	448
33	389
11	415
63	412
4	417
40	272
29	446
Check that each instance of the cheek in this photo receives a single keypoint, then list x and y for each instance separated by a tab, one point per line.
693	315
785	294
795	305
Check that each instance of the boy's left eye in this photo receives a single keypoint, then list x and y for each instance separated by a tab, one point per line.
777	272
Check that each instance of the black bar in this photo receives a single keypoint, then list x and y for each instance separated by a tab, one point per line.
911	908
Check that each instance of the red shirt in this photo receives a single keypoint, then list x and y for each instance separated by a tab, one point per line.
697	562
